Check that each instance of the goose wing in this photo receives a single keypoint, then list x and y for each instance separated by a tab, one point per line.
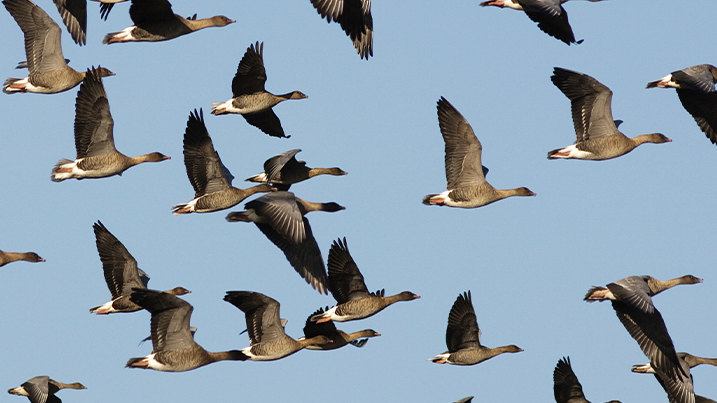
462	331
120	268
551	18
170	319
251	75
463	150
262	315
205	170
93	121
346	282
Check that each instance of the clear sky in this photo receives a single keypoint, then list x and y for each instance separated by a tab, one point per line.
527	261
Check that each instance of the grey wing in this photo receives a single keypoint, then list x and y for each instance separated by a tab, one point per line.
170	319
205	170
566	387
551	18
38	389
42	36
346	282
590	103
266	121
634	291
144	277
120	268
262	315
703	108
463	150
329	9
273	165
679	389
462	331
696	77
281	212
74	15
93	121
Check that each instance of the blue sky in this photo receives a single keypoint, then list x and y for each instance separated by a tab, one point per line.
527	261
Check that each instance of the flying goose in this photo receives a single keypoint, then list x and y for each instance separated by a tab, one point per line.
155	21
284	170
696	88
631	298
97	156
250	99
349	290
355	19
280	216
268	340
9	257
210	179
339	338
467	187
463	337
42	389
48	72
173	346
121	273
687	361
549	14
597	135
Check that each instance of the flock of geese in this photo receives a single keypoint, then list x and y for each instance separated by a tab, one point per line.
280	215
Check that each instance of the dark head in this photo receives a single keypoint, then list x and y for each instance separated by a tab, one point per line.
657	138
407	296
336	171
690	279
104	72
34	257
513	349
297	95
523	191
332	207
178	291
221	21
156	157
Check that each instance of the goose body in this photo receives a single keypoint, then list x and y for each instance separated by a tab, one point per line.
97	156
48	72
173	346
42	389
121	274
284	170
463	337
280	216
9	257
355	19
155	21
465	175
696	89
268	340
597	135
210	179
250	99
347	286
339	338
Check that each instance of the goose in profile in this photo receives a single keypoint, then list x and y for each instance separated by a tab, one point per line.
339	338
268	340
549	14
154	21
48	72
121	273
42	389
173	345
210	179
355	19
250	99
350	292
9	257
284	170
566	387
631	298
597	135
463	337
97	156
280	216
467	187
696	88
687	361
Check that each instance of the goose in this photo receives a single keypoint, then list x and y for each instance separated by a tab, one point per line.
155	21
173	346
631	298
284	170
566	387
280	216
696	89
349	290
549	14
121	273
463	337
97	156
597	135
9	257
42	389
467	187
250	99
355	19
210	179
339	338
687	361
48	72
268	340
